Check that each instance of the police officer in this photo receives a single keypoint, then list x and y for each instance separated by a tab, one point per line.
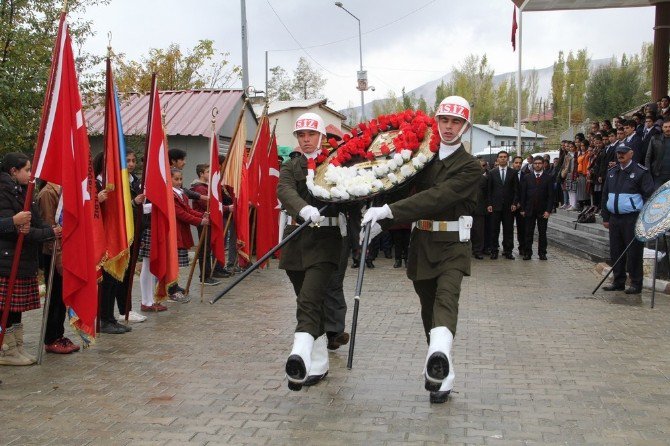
311	258
439	250
627	186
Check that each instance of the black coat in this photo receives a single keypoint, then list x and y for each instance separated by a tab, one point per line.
502	196
639	152
481	196
12	197
655	155
537	198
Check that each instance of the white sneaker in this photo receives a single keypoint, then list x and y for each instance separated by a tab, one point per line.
132	317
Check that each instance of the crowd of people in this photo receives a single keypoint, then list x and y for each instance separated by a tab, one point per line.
576	179
456	199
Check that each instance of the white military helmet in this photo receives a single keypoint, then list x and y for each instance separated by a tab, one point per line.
309	121
455	106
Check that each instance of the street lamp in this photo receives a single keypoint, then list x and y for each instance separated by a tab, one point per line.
570	109
362	75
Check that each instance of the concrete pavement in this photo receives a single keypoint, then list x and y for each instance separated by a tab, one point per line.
538	360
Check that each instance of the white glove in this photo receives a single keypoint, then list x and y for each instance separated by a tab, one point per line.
374	214
375	230
311	213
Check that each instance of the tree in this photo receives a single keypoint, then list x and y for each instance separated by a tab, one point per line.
388	105
408	100
442	91
473	79
423	105
201	67
558	89
279	85
307	82
27	34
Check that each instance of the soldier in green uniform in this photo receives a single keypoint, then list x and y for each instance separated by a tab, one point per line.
311	258
439	249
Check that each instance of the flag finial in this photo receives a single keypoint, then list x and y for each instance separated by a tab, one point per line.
215	112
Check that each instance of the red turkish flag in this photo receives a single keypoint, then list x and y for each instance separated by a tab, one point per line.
64	159
514	28
267	234
216	226
241	216
257	156
158	189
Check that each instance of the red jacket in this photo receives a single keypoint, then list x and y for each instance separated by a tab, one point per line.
185	217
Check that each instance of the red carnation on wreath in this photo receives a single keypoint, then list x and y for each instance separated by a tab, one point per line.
412	124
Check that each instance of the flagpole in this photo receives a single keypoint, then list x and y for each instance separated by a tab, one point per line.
47	303
139	210
203	265
272	136
519	87
55	57
237	128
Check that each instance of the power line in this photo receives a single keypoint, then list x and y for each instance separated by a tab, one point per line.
299	44
365	33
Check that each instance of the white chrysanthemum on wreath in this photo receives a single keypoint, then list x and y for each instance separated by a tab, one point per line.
407	170
392	178
406	154
397	159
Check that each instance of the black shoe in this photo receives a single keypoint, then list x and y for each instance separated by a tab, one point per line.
633	290
437	368
439	397
211	282
369	264
127	328
178	288
336	340
222	274
111	328
314	379
355	263
295	370
543	257
509	256
527	257
478	256
398	263
494	255
614	287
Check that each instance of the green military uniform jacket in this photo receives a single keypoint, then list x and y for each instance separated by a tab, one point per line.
315	244
445	190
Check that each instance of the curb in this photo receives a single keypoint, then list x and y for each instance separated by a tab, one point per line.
662	286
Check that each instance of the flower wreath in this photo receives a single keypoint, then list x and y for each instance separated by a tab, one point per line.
386	169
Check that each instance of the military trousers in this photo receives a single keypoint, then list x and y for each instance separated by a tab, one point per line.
334	303
622	231
309	286
439	300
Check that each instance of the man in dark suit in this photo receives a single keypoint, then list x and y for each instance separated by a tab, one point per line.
479	216
519	220
501	194
634	141
658	156
536	204
650	129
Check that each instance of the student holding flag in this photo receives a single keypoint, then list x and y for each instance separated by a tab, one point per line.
14	177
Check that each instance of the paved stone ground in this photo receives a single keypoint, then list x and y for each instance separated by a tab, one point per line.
538	361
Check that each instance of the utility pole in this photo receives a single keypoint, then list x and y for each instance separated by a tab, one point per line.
245	48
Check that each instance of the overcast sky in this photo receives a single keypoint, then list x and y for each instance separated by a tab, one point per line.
405	43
